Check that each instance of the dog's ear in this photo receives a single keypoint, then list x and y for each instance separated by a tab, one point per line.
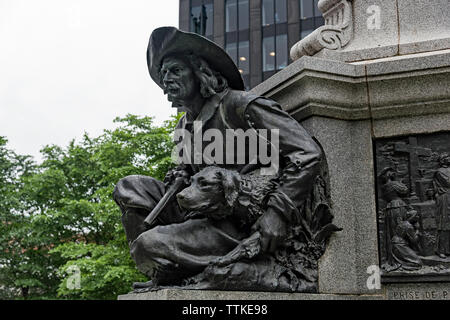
230	183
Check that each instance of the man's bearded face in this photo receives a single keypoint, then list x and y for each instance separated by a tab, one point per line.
178	80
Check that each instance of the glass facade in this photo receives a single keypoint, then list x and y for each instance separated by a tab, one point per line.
306	9
231	16
275	38
280	11
275	52
237	34
202	17
243	14
273	11
281	45
268	12
259	49
236	15
310	17
268	45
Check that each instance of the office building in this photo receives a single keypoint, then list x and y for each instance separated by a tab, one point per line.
257	34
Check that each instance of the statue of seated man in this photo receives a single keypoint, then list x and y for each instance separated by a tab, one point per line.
199	77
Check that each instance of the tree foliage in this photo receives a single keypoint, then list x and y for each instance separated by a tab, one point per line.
59	218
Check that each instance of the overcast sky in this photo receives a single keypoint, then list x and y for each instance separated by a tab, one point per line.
72	66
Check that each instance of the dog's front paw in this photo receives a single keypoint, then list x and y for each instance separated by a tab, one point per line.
221	261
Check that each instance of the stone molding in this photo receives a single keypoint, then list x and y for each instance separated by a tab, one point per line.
335	34
179	294
413	85
377	29
405	291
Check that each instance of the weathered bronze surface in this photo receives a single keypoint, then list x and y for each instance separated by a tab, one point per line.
413	188
231	227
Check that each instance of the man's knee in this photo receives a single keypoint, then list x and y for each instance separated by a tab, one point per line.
146	244
135	190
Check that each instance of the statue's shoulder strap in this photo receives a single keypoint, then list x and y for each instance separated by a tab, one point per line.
235	102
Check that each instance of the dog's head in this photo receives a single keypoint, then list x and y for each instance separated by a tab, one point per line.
211	191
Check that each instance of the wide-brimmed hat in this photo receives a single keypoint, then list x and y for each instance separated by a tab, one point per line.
167	41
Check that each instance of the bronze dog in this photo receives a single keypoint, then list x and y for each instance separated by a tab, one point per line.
218	193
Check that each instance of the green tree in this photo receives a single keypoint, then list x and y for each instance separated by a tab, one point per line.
72	223
14	219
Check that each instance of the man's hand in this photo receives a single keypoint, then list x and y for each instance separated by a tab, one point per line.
247	249
273	229
175	173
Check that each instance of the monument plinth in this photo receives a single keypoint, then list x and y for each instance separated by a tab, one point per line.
372	87
380	100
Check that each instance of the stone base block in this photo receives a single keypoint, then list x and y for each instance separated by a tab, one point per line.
417	291
405	291
178	294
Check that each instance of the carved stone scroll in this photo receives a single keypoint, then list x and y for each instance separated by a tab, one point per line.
334	35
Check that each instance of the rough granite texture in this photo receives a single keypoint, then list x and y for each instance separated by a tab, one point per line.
369	42
416	84
366	35
345	108
417	291
413	85
405	27
176	294
343	267
422	21
411	125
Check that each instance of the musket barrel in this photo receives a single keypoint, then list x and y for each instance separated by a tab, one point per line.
164	200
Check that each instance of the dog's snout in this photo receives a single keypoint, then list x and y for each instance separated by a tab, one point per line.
180	196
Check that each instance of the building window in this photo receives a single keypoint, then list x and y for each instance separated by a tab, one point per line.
280	11
244	55
268	12
202	17
275	39
273	11
243	14
306	9
231	16
275	52
237	34
310	17
240	53
281	51
268	44
236	15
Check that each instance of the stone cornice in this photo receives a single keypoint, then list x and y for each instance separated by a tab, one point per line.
412	85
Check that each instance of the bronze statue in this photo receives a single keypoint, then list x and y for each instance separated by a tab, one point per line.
402	239
414	207
231	228
442	187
